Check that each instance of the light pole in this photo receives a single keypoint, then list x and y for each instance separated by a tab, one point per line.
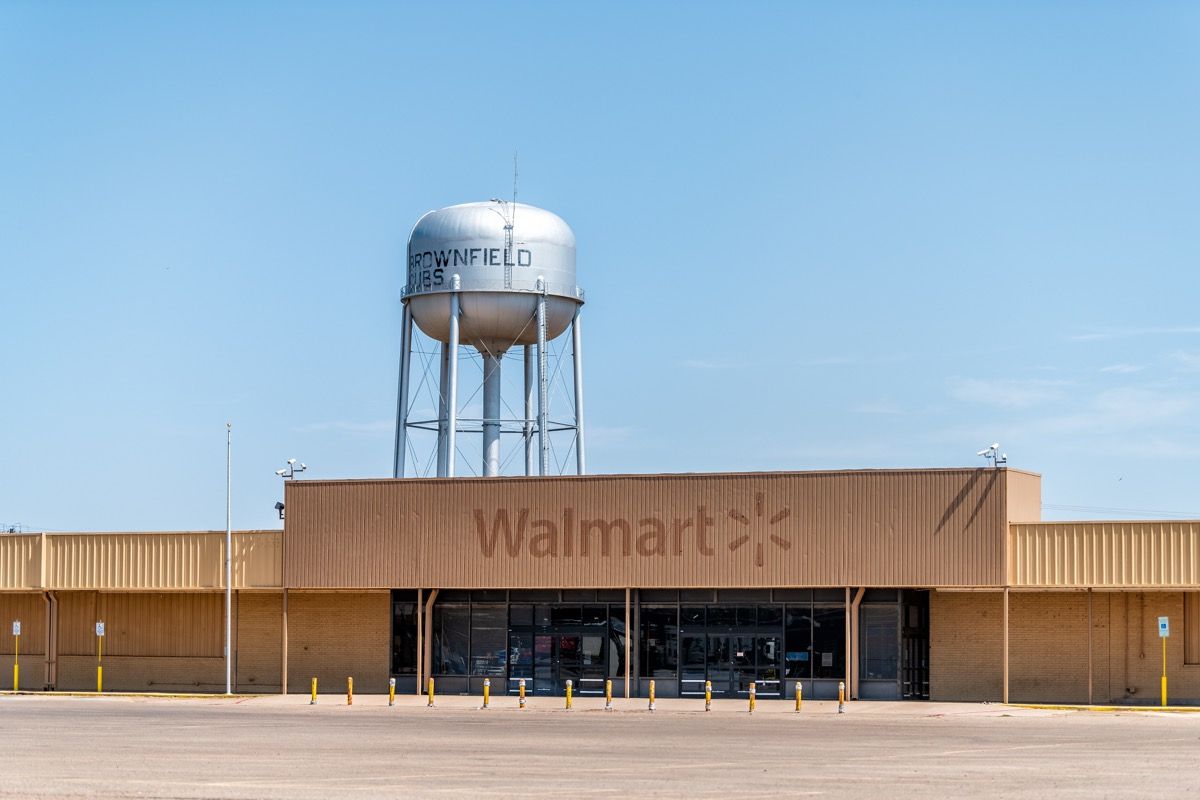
228	557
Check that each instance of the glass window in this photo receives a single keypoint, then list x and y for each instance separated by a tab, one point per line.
616	642
566	615
770	616
747	616
489	634
660	641
595	615
880	641
797	642
404	638
520	655
829	642
522	616
541	616
691	618
451	639
721	617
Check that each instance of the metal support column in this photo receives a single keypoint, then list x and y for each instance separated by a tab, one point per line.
283	665
1089	645
543	386
452	380
443	393
1004	671
577	362
491	414
420	643
628	636
527	430
427	653
402	394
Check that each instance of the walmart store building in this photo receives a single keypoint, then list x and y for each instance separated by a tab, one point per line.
905	584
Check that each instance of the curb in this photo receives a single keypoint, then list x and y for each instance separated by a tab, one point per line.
1109	709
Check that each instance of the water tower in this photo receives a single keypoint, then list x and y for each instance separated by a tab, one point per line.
492	276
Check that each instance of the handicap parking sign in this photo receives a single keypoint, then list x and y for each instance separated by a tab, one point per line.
1164	627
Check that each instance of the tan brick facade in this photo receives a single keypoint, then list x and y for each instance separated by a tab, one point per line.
965	646
335	635
1048	647
258	641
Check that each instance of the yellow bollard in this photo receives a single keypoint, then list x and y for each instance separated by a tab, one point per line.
651	695
349	691
752	692
1164	674
99	679
16	677
313	702
799	694
608	695
487	691
569	686
841	697
521	693
430	703
391	691
16	657
708	695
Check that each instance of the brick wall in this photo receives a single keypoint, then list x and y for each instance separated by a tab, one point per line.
965	646
335	635
1048	647
142	674
29	608
259	641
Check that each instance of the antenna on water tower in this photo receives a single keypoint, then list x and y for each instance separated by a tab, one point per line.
472	282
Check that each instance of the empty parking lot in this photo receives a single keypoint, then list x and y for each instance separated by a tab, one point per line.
274	747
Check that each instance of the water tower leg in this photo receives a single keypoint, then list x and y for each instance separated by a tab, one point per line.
452	380
577	363
543	388
491	414
528	429
443	393
402	394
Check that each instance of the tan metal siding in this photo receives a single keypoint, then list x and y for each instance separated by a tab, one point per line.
1121	555
1023	492
875	528
162	561
174	624
20	561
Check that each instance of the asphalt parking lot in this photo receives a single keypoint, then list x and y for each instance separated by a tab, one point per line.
281	747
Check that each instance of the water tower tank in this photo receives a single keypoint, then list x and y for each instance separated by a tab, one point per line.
492	275
498	268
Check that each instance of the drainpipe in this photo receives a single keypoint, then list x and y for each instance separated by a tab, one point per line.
420	644
51	639
858	596
428	654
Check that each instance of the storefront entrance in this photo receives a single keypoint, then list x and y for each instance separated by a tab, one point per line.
731	663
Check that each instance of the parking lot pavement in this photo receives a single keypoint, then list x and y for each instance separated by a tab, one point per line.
282	747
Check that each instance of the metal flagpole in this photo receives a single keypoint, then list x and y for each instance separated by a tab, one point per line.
228	559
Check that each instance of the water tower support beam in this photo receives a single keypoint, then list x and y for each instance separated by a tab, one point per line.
528	427
452	379
491	414
543	388
443	393
577	363
402	394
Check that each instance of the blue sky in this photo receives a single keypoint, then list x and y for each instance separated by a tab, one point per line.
812	236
